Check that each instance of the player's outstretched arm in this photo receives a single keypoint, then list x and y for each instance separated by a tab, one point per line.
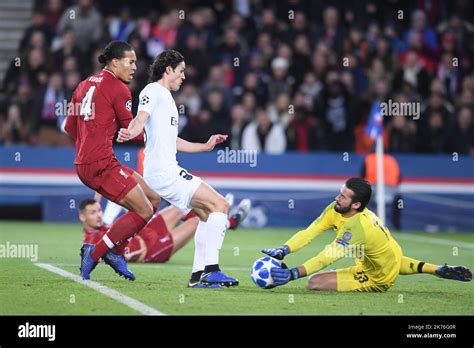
186	146
134	128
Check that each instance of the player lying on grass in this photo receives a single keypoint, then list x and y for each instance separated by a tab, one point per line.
162	236
359	232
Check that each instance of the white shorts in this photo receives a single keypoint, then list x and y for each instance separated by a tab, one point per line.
175	185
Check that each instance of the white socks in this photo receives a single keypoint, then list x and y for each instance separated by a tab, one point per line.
199	247
215	233
208	241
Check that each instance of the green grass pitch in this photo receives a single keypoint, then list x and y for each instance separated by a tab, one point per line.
29	290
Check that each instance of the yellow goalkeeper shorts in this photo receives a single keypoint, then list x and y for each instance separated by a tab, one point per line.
355	278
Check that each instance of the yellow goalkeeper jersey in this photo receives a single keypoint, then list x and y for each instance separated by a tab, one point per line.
363	236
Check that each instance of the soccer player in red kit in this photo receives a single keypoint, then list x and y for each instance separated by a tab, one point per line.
99	105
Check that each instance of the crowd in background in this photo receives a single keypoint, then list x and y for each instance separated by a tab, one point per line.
275	75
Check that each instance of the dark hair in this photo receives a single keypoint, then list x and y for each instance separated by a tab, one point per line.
85	203
167	58
115	49
362	191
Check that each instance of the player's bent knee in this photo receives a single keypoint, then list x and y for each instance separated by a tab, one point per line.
155	201
221	206
146	212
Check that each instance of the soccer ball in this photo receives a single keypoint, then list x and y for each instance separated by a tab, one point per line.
260	272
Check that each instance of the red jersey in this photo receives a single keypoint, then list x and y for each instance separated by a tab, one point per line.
99	105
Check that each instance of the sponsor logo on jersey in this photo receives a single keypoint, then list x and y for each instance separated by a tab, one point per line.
144	100
128	105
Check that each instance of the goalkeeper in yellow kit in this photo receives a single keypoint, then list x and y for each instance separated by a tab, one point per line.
359	232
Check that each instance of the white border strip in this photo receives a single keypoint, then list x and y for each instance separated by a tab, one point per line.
117	296
270	184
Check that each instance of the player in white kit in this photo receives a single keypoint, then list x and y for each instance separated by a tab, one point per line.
158	115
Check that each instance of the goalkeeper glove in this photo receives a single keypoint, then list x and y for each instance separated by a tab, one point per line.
278	253
283	275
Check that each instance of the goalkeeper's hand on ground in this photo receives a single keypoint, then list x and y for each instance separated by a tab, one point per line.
278	253
283	275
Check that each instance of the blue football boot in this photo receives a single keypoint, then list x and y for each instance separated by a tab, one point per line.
454	272
87	262
118	263
219	278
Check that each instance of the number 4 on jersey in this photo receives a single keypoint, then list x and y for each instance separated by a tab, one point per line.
87	108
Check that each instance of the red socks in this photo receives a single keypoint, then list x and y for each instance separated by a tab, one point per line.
124	227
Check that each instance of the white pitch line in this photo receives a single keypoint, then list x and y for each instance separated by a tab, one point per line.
432	240
117	296
166	265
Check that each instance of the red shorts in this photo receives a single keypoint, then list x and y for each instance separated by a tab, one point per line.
154	243
108	177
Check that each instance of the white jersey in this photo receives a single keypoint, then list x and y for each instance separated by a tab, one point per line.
161	129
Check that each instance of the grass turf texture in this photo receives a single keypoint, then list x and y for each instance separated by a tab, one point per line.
29	290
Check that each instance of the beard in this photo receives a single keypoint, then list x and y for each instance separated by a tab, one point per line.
342	210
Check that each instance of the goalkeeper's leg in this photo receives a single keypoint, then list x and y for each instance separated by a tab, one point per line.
412	266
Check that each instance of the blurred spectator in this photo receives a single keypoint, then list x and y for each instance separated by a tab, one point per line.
217	107
302	133
239	122
38	24
86	23
197	63
461	139
52	13
49	113
331	33
462	30
263	135
33	68
280	110
402	134
200	128
301	58
189	97
14	130
419	28
334	110
413	74
249	103
254	85
310	88
432	139
66	48
448	73
122	26
216	80
279	82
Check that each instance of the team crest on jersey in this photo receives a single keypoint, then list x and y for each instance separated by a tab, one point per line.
144	100
128	105
125	175
347	236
